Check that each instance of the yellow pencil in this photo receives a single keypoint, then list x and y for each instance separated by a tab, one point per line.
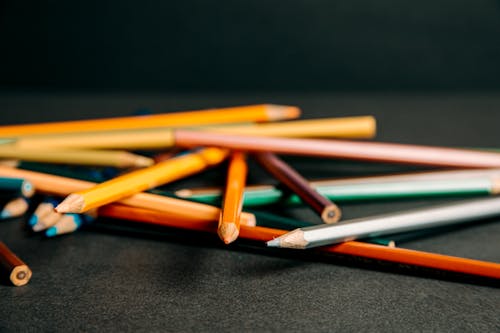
229	222
158	138
119	159
140	180
237	114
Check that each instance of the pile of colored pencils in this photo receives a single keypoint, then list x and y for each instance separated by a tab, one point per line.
115	167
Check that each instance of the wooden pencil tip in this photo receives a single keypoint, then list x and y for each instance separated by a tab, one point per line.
228	232
279	112
72	204
184	193
142	162
331	214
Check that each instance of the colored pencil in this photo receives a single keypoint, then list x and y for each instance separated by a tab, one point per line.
14	208
140	180
12	267
351	248
161	138
119	159
327	210
229	222
344	192
270	220
416	219
237	114
174	208
44	215
68	223
16	186
354	150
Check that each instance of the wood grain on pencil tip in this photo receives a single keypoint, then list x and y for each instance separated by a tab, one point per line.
14	268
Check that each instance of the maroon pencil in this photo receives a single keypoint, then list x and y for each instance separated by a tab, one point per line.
283	172
354	150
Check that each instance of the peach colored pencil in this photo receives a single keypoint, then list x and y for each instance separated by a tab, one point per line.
355	150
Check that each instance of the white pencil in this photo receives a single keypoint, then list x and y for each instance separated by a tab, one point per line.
381	225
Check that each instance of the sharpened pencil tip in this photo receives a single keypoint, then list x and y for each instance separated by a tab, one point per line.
228	232
51	232
62	208
5	214
38	227
33	220
273	243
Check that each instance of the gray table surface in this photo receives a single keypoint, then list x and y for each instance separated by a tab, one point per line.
115	276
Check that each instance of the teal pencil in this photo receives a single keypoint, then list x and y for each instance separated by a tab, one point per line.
14	208
16	187
383	190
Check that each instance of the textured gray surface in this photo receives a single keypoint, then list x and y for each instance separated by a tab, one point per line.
107	278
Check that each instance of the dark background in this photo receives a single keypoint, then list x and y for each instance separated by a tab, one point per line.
428	71
348	45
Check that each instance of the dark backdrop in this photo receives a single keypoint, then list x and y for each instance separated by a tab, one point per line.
250	45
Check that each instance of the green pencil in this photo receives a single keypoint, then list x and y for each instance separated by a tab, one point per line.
268	195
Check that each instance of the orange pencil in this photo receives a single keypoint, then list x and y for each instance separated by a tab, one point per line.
171	207
239	114
229	222
141	180
352	248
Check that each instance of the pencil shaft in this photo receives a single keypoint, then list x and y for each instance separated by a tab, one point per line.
119	159
156	138
174	208
16	186
186	118
294	181
416	219
229	223
370	191
352	248
364	151
140	180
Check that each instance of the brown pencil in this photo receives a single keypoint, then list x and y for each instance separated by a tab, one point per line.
352	248
229	222
355	150
329	212
10	265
